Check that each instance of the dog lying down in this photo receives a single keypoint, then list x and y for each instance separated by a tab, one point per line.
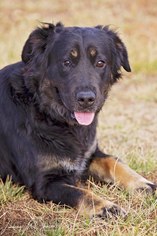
49	108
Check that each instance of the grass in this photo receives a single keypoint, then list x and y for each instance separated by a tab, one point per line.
127	124
9	192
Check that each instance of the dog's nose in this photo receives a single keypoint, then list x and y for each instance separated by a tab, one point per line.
85	98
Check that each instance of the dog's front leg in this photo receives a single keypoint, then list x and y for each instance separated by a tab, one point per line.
109	169
85	201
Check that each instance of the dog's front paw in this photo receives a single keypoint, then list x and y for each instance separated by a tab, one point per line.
113	211
142	185
94	206
146	186
107	210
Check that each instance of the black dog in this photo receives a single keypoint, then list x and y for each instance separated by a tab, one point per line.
48	114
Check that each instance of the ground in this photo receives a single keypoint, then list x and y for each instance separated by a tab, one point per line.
127	123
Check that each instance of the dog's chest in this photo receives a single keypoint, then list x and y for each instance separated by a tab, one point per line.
72	153
79	164
76	163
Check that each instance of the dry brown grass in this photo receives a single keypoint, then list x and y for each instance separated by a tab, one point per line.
128	123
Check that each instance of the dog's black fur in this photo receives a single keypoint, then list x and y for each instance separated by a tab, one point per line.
42	146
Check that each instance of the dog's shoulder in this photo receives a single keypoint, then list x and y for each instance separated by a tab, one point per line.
9	70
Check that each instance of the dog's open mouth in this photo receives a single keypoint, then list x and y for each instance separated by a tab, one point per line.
84	118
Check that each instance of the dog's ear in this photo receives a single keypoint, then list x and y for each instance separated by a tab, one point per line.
120	50
37	41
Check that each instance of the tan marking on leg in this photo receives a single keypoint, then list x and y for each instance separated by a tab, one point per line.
112	170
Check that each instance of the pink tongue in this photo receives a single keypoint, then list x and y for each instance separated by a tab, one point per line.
84	118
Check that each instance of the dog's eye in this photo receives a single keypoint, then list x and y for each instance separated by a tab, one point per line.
100	64
66	63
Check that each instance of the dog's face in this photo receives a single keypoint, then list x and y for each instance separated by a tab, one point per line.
77	66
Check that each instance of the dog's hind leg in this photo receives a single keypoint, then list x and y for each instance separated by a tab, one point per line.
112	170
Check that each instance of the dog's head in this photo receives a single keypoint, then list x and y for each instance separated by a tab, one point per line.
71	69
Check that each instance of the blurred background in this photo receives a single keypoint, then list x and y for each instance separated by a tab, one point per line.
136	21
